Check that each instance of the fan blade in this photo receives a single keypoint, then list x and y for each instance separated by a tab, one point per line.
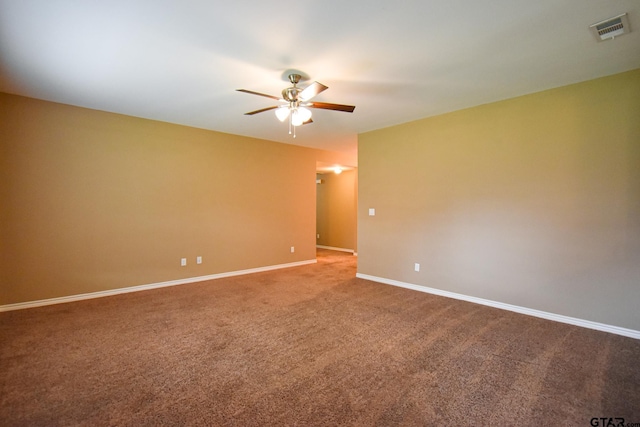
336	107
258	93
308	122
262	110
312	90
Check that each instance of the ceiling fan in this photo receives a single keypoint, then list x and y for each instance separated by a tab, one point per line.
296	103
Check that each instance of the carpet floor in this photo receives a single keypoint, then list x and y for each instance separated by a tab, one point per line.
306	346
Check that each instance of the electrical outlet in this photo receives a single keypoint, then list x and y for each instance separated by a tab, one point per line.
317	236
293	249
199	260
416	267
183	262
372	212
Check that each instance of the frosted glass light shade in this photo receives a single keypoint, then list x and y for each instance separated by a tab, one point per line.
300	115
282	113
296	118
305	113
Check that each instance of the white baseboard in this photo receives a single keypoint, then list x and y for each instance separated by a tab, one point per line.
111	292
331	248
522	310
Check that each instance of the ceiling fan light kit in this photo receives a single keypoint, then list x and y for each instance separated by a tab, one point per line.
296	105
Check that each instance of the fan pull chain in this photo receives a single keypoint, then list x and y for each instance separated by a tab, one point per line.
290	126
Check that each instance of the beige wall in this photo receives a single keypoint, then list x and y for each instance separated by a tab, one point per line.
532	201
94	201
336	210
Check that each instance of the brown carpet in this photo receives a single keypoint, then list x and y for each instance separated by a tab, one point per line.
309	345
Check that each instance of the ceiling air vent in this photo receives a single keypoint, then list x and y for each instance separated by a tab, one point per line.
611	28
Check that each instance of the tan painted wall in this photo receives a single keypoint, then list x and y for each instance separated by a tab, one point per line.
94	201
336	210
532	201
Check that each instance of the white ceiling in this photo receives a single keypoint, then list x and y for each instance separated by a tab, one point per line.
181	61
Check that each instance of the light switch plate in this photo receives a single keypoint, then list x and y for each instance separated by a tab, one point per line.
372	212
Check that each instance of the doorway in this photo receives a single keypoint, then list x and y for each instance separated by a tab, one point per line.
337	209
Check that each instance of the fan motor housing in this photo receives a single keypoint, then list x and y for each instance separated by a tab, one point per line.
291	94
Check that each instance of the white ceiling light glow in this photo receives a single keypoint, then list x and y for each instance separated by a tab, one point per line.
282	113
300	115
